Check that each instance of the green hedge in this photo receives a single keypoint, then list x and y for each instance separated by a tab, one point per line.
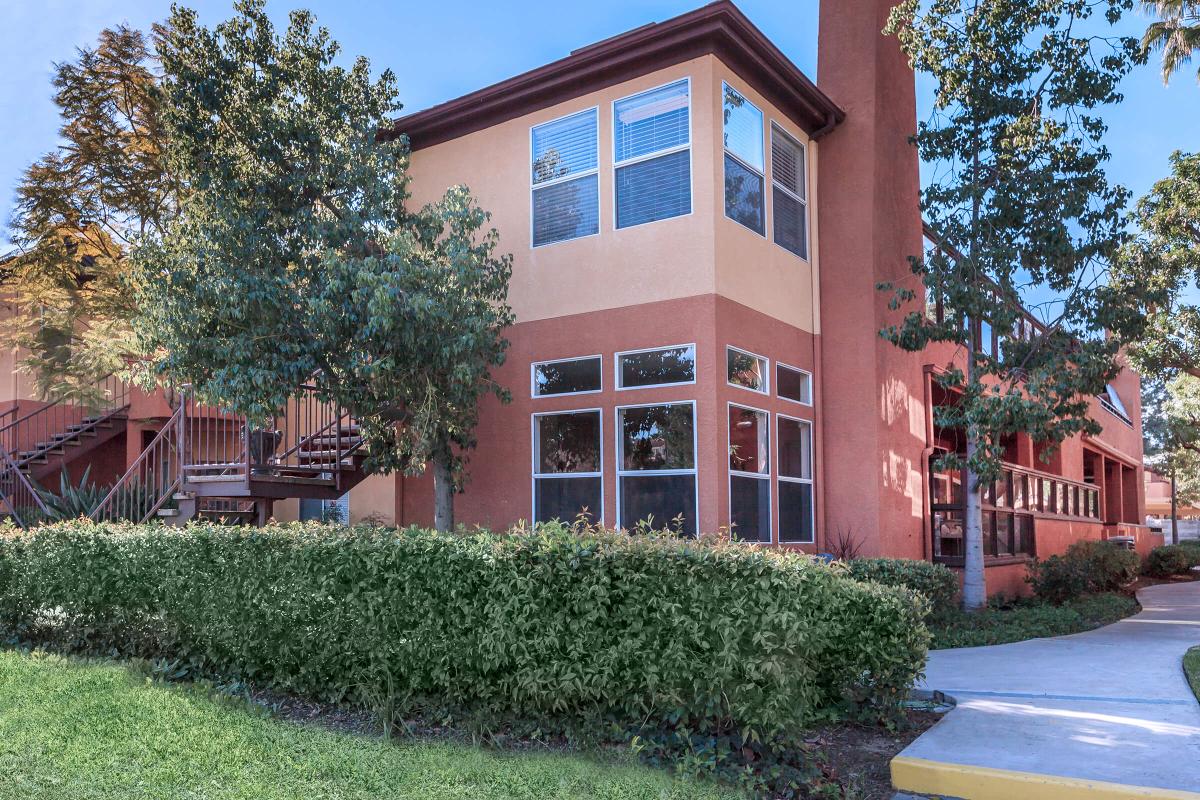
1169	559
1087	567
556	624
936	581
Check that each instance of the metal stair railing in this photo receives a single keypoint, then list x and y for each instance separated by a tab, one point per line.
17	494
52	427
151	480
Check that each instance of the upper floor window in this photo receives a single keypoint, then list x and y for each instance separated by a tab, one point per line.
566	189
743	140
793	384
659	367
652	155
746	370
789	194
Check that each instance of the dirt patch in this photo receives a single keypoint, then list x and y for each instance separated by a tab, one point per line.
858	756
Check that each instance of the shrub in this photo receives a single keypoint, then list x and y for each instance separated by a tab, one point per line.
1086	568
937	582
1168	560
1192	548
550	624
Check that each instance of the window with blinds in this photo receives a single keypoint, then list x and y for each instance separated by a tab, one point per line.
652	156
744	169
564	180
790	199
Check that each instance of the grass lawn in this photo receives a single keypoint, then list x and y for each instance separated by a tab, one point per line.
1191	668
82	730
1028	619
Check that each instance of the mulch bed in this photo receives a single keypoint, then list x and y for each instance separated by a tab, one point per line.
858	756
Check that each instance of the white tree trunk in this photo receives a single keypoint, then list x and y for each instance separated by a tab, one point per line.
974	596
443	494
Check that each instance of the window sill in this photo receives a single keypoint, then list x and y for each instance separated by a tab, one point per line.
989	561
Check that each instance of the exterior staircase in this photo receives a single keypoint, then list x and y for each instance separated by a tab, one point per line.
209	463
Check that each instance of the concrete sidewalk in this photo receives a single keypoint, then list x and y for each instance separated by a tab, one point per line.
1103	714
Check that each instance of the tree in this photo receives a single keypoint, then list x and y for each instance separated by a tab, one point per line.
295	260
1172	431
1019	198
79	210
1163	262
1176	35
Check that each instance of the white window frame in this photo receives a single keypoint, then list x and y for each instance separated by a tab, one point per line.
620	451
811	481
656	154
566	178
533	457
803	201
812	387
766	378
617	367
533	376
767	476
760	173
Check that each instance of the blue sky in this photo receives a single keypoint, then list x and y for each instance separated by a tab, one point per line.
445	49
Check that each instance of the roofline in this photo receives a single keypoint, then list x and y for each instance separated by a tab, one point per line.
719	29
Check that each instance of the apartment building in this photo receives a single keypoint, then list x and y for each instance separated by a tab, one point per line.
698	230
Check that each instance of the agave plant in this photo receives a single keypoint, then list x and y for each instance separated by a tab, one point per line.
72	501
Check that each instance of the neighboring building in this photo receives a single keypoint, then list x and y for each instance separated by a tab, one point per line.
698	231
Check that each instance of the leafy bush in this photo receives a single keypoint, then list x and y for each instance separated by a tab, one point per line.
1029	618
550	624
1088	567
1168	560
1192	548
937	582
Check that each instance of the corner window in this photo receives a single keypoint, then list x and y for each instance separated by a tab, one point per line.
789	193
749	474
796	513
743	141
660	367
746	370
656	472
566	189
567	376
652	155
567	466
793	384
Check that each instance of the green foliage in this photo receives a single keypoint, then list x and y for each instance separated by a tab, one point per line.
72	500
633	630
1087	567
295	254
1163	263
1176	35
80	208
1168	560
1028	619
73	728
1191	669
937	582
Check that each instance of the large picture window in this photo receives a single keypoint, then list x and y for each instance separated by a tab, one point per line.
796	513
567	376
566	189
743	140
652	156
656	448
659	367
789	193
749	474
567	467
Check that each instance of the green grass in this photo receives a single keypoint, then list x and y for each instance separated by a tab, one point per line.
1191	668
1028	619
83	730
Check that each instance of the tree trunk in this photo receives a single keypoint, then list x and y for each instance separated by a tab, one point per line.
1174	512
974	595
443	494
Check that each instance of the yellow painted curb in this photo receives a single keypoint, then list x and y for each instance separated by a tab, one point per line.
983	783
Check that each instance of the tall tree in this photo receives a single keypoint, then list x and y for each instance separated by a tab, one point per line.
79	210
1171	428
1176	35
1017	193
294	258
1163	262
